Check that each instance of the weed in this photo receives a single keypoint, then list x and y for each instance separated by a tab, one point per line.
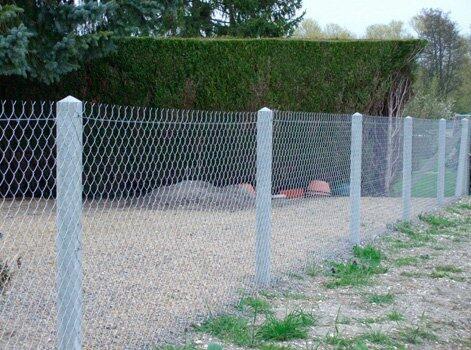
294	295
413	274
294	326
406	228
463	206
313	270
381	298
353	273
437	221
395	316
448	268
368	255
416	335
406	261
254	305
227	327
377	337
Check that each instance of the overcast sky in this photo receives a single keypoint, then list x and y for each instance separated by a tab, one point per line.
356	15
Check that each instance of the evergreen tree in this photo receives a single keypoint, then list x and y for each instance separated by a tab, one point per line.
44	40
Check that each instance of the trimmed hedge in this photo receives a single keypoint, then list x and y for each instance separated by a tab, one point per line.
336	76
234	74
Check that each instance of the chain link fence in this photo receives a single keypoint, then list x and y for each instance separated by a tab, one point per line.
120	226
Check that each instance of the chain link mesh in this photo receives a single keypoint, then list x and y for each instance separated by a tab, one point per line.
169	211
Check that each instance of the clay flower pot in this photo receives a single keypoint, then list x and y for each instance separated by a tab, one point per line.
318	188
293	192
249	188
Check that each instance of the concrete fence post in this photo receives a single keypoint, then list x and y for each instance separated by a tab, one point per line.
407	169
441	162
462	160
355	177
263	199
69	223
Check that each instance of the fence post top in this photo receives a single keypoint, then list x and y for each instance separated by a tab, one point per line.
265	109
443	120
408	117
357	115
464	120
70	99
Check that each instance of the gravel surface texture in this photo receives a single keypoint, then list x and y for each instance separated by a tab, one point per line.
149	273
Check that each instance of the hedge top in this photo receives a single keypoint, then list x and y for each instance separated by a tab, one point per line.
237	74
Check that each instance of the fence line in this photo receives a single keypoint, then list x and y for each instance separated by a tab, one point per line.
158	209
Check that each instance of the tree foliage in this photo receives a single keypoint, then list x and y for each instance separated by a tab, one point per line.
45	40
394	30
444	55
311	29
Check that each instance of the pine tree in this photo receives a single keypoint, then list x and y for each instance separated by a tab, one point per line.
44	40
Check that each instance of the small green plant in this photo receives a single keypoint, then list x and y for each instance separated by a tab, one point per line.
437	221
368	254
448	268
377	337
412	274
381	298
406	261
406	228
357	272
395	316
228	327
313	270
254	305
294	326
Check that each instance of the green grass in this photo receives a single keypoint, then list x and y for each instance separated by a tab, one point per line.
230	328
426	185
413	274
406	261
395	316
377	337
313	270
437	221
294	326
416	335
447	271
254	305
358	272
380	299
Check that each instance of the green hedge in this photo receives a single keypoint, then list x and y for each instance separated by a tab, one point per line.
233	74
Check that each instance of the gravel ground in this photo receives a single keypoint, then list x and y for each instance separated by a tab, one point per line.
148	273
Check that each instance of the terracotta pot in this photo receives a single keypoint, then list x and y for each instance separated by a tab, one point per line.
249	188
318	188
293	192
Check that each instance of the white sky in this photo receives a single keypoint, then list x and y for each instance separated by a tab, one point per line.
356	15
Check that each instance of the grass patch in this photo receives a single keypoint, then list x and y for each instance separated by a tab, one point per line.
313	270
377	337
381	299
395	316
448	268
406	261
357	272
416	335
412	274
437	221
294	326
230	328
254	305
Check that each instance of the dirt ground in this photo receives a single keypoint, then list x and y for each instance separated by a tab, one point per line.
421	301
148	274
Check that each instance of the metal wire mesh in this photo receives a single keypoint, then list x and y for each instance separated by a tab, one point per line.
168	222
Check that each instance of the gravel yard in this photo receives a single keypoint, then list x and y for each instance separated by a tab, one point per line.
149	272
